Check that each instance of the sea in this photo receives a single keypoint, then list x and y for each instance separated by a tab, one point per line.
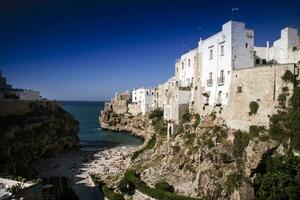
91	136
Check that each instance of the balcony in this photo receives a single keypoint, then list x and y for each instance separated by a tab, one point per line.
221	80
219	101
209	82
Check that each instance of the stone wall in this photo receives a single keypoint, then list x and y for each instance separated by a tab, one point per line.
134	109
261	84
120	106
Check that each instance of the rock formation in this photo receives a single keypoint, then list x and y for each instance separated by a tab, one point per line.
31	131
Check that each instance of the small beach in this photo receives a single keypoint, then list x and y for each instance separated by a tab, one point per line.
77	165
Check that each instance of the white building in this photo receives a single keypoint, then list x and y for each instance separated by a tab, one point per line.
184	69
144	98
284	50
231	48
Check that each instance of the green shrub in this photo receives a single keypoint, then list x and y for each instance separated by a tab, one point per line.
126	187
160	127
176	148
279	180
255	130
186	117
233	181
157	113
107	192
240	142
253	107
149	145
288	77
277	128
197	120
282	98
164	186
158	194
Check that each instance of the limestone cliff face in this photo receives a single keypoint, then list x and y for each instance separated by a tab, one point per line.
205	160
31	131
138	125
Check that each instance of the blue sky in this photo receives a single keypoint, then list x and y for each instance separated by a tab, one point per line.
88	50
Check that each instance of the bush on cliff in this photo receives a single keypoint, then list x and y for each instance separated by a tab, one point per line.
133	177
149	145
280	179
288	77
160	127
104	190
253	107
240	142
164	186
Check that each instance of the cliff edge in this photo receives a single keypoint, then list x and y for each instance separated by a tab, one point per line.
31	131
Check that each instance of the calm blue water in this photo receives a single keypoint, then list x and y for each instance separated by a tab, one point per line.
91	135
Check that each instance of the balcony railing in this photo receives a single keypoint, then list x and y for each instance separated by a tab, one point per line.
221	80
209	82
219	101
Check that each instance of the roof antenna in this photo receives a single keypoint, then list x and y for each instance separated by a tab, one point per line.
232	11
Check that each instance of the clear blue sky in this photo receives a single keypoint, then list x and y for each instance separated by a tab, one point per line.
88	50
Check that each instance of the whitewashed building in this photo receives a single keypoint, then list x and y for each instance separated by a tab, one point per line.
184	69
284	50
231	48
144	98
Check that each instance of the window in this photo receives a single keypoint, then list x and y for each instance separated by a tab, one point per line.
189	61
264	61
239	89
177	69
257	61
210	76
210	54
246	45
222	50
182	65
222	76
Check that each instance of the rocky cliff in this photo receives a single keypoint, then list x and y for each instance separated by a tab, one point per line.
208	160
31	131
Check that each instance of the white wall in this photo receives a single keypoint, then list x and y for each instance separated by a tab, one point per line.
231	48
184	68
145	98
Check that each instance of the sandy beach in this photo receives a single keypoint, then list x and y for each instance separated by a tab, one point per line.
77	165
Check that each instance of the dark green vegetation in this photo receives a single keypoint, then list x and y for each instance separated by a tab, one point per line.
279	180
279	177
285	124
149	145
104	190
253	107
197	120
240	142
60	188
159	193
159	124
233	181
164	186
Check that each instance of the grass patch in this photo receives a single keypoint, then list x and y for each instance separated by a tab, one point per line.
159	194
150	145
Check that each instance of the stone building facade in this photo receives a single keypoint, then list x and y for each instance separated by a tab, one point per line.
223	74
